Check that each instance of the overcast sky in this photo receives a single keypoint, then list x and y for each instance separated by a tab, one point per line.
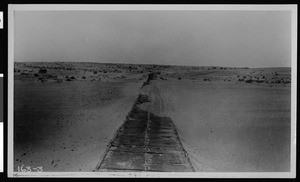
202	38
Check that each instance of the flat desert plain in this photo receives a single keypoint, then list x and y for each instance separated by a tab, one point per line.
228	119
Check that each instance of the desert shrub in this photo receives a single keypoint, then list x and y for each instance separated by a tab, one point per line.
248	81
142	99
95	72
72	77
206	79
50	76
179	78
43	70
83	77
36	75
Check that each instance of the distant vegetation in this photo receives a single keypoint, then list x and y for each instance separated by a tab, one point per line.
76	71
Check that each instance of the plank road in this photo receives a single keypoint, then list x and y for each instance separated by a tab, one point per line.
145	142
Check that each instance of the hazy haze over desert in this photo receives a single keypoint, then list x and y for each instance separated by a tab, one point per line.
223	77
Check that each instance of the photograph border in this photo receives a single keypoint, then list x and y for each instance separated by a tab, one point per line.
135	7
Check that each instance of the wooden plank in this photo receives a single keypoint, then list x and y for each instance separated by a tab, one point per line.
143	144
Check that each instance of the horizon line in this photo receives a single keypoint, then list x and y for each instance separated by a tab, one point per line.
149	64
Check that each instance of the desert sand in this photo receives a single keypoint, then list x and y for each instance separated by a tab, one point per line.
228	119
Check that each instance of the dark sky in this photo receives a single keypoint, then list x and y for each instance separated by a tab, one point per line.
204	38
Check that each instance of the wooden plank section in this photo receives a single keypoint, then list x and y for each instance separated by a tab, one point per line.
145	142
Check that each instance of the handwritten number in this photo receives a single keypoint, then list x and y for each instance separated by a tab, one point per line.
28	169
39	169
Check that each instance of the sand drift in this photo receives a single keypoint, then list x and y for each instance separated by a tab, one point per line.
145	142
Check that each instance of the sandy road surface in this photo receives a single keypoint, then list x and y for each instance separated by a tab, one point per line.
228	127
